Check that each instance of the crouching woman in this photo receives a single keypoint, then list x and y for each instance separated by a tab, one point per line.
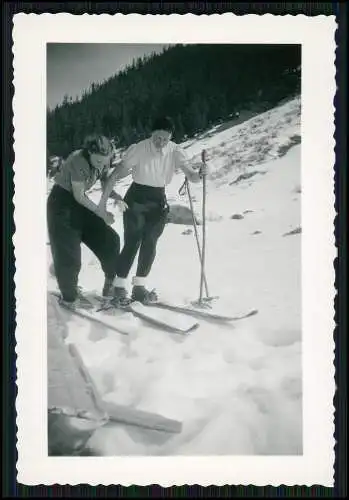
74	219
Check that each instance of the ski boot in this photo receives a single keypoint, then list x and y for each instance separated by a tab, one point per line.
120	298
80	302
141	294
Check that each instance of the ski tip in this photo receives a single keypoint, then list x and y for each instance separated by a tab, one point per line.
253	312
194	327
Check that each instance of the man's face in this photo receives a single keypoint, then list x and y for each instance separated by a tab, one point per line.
160	138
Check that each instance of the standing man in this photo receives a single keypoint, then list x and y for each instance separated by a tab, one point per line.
73	218
152	163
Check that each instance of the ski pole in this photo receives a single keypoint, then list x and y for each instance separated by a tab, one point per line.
196	232
203	157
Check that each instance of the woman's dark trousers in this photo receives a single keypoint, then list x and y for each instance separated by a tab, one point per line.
69	225
144	222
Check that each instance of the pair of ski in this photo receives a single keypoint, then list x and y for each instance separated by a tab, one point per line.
181	319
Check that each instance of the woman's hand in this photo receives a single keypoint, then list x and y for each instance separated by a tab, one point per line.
122	206
108	218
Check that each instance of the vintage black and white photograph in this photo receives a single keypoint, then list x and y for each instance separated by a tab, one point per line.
175	141
173	190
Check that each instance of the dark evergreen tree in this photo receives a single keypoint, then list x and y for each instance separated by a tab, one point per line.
198	85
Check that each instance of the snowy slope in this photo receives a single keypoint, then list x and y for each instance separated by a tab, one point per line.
237	388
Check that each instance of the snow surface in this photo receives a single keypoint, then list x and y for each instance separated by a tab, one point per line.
237	388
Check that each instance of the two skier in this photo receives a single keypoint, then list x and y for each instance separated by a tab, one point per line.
74	219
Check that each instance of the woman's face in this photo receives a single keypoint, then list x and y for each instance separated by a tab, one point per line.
99	161
160	138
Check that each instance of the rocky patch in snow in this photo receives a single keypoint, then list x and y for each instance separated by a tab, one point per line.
295	139
297	189
180	214
245	176
298	230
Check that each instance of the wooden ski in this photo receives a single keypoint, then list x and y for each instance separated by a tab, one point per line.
169	320
108	321
201	313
